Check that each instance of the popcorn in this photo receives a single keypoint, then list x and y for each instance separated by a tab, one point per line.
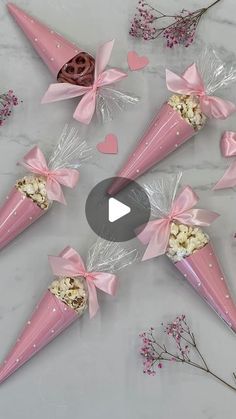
182	237
184	241
184	229
72	291
174	229
34	187
189	109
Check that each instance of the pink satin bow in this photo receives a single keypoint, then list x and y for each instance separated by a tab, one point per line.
86	107
191	83
156	234
73	266
228	149
35	162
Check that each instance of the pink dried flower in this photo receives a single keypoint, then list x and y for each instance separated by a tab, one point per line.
155	354
7	101
179	29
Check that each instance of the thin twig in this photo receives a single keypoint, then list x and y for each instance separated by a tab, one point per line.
181	29
155	353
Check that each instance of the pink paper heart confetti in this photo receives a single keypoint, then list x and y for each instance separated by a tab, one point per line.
109	145
136	62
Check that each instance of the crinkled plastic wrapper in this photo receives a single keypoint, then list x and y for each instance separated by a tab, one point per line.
27	201
76	69
191	251
111	102
64	302
178	120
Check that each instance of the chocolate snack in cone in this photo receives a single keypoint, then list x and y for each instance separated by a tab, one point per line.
73	291
67	62
77	73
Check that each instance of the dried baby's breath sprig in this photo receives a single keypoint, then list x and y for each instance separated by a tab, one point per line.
185	350
7	101
177	29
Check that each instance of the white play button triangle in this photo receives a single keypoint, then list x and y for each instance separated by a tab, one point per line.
117	210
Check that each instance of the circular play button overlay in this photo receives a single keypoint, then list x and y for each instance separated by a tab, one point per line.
115	218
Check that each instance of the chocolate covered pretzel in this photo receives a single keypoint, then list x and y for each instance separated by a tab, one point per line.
79	70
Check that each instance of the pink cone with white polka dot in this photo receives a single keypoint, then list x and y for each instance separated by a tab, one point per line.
203	272
16	214
166	133
54	49
50	318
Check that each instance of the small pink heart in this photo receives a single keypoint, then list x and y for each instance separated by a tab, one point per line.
136	62
109	145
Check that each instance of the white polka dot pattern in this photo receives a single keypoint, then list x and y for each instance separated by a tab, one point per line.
54	50
165	134
47	322
203	272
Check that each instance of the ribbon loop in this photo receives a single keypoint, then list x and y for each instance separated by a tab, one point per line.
35	162
228	149
103	57
191	83
186	199
86	108
73	265
228	144
156	233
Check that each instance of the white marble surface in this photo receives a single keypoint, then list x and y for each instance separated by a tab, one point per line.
93	370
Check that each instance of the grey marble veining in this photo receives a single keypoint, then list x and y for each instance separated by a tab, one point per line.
93	370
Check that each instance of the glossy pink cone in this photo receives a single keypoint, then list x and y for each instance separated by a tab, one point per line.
17	213
49	319
203	272
54	50
166	132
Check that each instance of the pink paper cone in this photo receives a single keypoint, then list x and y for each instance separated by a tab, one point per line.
166	132
203	272
50	318
17	213
54	50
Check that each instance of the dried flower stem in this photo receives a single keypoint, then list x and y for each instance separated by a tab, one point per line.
181	30
155	353
213	4
7	101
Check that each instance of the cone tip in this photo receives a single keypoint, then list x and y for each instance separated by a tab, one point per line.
117	185
217	186
14	10
11	7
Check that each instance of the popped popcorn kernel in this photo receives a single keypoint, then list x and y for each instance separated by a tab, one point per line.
34	187
174	229
184	241
72	292
189	109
